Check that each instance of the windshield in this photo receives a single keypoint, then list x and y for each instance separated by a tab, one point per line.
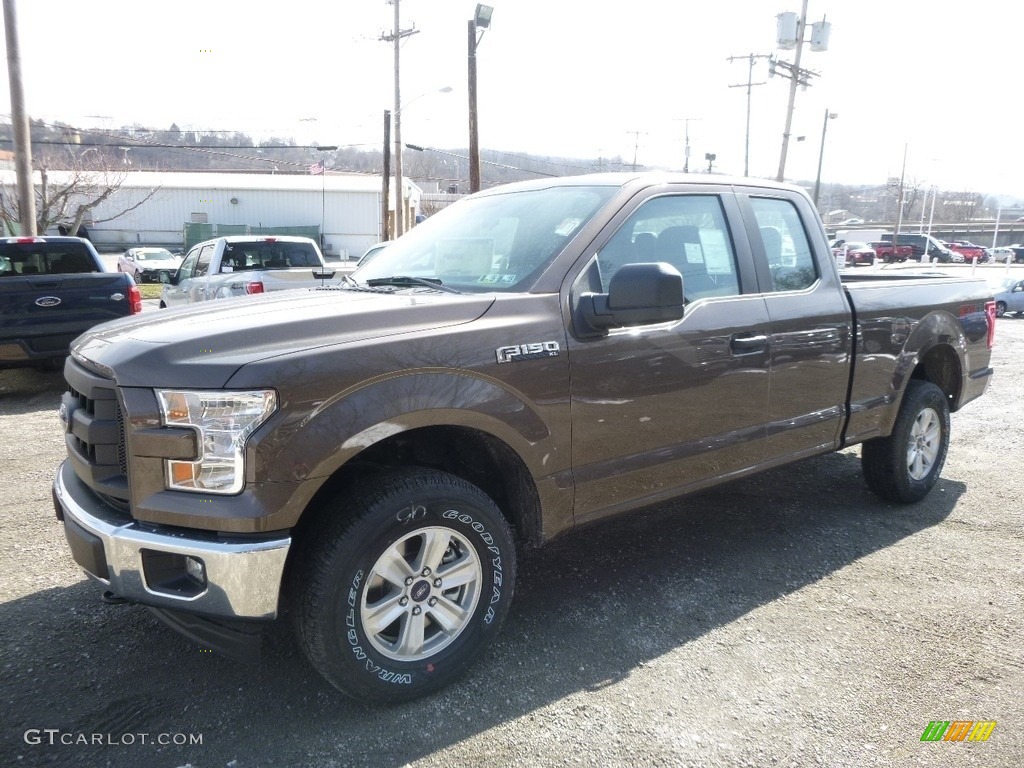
495	243
153	255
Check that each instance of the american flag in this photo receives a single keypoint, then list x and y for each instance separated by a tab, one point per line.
317	168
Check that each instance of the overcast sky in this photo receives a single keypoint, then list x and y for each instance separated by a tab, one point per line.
556	77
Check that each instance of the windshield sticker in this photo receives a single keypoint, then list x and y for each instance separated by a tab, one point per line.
497	279
566	227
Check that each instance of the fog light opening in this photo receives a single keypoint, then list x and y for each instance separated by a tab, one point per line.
195	570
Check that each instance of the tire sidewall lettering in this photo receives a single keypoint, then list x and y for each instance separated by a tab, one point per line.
410	516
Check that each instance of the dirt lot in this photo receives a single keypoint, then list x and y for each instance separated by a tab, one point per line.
791	619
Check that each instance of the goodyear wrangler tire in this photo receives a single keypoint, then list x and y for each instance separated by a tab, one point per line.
904	466
397	601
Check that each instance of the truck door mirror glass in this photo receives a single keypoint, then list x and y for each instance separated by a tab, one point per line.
168	278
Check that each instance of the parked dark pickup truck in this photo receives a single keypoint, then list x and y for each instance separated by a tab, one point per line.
367	458
51	290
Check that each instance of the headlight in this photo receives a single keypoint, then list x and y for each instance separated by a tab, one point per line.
224	421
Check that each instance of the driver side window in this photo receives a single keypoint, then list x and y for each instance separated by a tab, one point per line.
686	231
185	270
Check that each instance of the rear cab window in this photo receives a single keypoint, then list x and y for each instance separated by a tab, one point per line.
46	258
268	254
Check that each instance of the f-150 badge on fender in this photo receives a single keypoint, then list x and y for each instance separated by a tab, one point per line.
516	352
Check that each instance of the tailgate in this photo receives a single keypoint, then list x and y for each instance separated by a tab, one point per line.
39	316
298	277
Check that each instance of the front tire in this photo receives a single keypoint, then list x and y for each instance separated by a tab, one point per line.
904	466
397	600
1000	308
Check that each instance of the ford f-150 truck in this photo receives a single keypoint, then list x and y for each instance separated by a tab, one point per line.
368	458
51	290
241	265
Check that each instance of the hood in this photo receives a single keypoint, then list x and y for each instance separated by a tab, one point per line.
158	263
202	345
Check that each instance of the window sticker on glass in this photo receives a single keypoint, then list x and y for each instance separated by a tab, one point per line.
716	251
566	227
694	253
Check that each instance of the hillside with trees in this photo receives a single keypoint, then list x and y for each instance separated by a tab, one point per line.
63	146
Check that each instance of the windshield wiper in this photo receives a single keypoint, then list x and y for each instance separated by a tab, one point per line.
404	280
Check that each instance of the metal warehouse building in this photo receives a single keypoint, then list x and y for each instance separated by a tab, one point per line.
345	209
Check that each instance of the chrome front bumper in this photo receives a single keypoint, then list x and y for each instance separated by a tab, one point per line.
243	579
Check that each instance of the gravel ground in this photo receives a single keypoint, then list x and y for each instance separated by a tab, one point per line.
791	619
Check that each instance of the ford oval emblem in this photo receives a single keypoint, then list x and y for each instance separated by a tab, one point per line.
48	301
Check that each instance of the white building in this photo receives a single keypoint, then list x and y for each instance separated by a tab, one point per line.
345	208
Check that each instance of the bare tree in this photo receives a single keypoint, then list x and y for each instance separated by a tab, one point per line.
66	197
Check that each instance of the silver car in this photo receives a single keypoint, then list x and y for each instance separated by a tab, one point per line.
1009	296
146	264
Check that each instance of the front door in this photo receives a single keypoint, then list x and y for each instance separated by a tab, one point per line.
661	408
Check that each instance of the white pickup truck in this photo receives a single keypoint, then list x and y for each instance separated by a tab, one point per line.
242	265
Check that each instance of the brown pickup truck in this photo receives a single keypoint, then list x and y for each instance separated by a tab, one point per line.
369	458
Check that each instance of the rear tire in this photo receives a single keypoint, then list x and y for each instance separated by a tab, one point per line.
398	598
904	466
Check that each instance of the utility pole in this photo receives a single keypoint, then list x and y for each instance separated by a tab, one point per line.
636	144
396	37
749	86
19	120
386	179
791	35
686	151
477	25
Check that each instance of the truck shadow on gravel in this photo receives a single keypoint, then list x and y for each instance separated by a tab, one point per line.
590	609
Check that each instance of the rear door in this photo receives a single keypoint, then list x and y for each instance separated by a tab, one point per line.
659	408
811	324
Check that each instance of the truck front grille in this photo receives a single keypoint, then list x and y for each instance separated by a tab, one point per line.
96	432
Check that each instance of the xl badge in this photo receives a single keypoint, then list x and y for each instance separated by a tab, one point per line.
516	352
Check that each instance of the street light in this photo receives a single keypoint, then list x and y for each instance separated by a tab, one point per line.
821	153
481	20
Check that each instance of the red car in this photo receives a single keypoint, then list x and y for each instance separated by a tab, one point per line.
884	251
970	251
857	253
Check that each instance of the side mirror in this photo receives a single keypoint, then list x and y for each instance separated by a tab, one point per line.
638	294
168	278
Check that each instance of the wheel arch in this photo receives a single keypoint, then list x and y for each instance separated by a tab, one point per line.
478	457
934	352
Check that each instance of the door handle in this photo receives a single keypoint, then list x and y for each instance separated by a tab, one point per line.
748	344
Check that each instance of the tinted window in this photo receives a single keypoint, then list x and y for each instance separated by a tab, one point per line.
185	270
786	245
263	254
47	258
203	263
686	231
